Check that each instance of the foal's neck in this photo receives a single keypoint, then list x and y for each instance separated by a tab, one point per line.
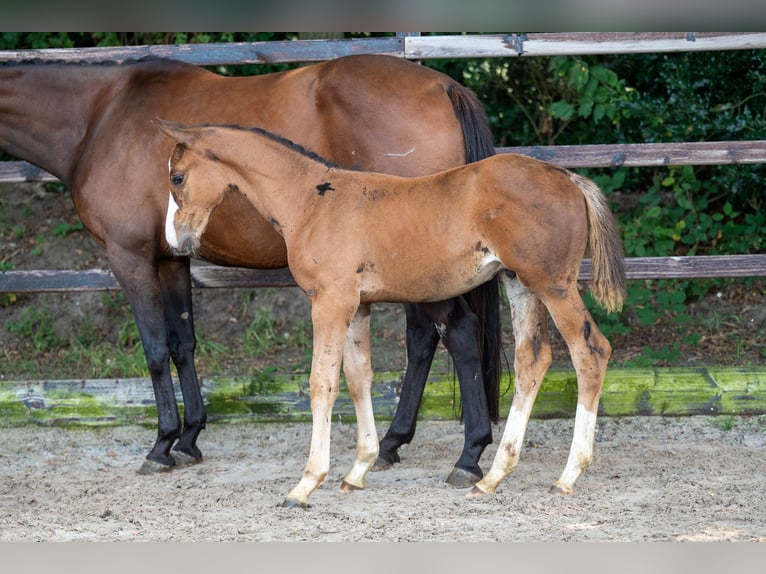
284	180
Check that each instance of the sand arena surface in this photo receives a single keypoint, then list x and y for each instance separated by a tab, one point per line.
652	479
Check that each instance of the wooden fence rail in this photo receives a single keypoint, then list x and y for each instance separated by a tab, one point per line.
212	276
410	47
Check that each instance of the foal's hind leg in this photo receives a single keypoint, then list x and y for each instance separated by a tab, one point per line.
358	370
590	352
531	361
175	281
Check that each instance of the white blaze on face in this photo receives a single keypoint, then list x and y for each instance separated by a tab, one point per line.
170	227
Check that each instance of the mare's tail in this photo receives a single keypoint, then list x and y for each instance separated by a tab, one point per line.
607	255
484	300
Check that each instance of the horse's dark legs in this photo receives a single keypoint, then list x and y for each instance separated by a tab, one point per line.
460	339
458	326
422	339
139	279
175	280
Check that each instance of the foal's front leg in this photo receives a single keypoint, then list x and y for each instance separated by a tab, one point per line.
358	370
330	327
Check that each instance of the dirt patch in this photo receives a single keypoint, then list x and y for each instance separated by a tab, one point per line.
653	479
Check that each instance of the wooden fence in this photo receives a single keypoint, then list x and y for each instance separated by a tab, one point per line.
432	47
684	391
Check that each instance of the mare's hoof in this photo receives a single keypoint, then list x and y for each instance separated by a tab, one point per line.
190	451
290	503
348	487
558	490
460	478
154	467
381	464
183	459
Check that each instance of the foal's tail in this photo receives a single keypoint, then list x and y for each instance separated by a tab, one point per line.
607	256
484	300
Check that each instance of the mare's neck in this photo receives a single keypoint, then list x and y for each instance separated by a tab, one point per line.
45	111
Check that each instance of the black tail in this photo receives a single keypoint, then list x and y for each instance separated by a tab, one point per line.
484	300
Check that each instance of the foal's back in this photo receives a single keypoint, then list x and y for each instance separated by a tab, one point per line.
414	239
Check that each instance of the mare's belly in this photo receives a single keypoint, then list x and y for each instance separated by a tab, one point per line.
237	235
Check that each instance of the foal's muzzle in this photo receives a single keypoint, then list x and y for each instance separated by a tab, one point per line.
179	236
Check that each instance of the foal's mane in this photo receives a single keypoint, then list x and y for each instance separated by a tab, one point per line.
280	140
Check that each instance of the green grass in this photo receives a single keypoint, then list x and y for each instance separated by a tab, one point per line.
724	422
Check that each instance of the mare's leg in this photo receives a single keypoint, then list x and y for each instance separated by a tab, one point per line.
422	339
175	279
139	279
531	361
459	328
331	320
358	370
460	337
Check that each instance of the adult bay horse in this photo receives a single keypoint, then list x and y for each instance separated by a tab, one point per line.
355	238
89	124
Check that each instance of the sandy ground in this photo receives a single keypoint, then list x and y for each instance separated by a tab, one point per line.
653	479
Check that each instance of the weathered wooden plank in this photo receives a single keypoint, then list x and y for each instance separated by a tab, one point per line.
212	276
647	155
650	391
23	172
687	267
57	280
218	54
625	43
574	44
571	156
413	47
68	280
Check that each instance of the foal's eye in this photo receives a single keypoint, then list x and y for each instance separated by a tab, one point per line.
177	178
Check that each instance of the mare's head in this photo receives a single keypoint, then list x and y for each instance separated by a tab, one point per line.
197	185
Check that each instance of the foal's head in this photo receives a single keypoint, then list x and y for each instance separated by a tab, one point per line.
197	186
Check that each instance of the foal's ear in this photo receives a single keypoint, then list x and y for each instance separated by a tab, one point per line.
174	130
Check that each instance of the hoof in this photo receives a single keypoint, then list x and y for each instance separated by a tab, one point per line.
475	492
381	464
348	487
154	467
190	451
460	478
386	459
558	490
290	503
184	459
